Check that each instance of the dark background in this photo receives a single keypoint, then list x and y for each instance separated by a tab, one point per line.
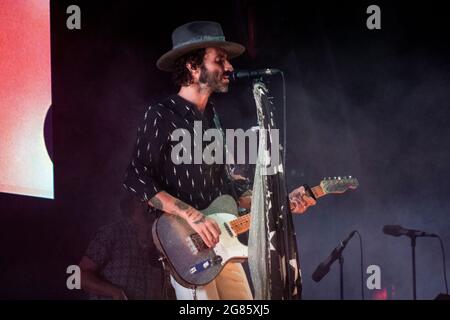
370	103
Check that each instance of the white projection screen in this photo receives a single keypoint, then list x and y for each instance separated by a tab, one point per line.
25	98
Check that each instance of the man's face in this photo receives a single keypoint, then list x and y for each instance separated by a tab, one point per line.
213	70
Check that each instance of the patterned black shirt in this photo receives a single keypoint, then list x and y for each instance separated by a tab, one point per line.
124	262
152	169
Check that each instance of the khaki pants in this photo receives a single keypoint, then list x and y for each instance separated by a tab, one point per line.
230	284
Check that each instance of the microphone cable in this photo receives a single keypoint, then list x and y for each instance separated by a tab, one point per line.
362	264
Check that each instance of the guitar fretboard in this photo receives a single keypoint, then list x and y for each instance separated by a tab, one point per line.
242	224
318	192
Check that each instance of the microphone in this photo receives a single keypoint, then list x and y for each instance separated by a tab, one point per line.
323	268
396	230
250	74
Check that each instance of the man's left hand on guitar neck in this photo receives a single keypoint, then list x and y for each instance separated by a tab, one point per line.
299	200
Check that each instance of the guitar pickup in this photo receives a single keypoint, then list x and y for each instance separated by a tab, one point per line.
195	243
227	227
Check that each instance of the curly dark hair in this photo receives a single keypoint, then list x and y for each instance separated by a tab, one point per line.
181	75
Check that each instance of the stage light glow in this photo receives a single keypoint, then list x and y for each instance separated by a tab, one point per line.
380	294
25	97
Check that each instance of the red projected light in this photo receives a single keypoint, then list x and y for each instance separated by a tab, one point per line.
380	294
25	97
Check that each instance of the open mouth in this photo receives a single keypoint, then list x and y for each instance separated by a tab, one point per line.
226	76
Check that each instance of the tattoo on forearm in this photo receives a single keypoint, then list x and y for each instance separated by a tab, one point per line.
180	204
202	219
190	212
156	203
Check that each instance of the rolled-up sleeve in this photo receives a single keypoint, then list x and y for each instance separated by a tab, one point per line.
152	137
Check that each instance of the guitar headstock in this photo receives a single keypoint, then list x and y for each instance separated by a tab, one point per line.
338	184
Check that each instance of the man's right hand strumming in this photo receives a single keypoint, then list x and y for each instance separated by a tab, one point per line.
207	228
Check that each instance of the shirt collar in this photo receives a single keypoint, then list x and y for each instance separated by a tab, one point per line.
183	106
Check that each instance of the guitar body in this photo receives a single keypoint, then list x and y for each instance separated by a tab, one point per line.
191	262
196	265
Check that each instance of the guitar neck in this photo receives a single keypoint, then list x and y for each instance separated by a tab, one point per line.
318	192
242	224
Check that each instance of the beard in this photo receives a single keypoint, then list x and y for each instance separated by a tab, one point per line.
213	80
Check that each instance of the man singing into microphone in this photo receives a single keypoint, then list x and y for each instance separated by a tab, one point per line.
199	61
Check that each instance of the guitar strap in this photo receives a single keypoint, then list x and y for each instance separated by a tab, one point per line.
309	191
226	152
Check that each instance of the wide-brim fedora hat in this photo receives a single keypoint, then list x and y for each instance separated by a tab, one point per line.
197	35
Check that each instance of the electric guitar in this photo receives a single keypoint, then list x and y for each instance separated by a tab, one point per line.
191	262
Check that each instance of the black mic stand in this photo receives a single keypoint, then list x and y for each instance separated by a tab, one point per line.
412	234
413	248
336	254
341	267
341	270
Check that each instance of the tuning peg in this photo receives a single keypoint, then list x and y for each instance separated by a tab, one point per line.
339	178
